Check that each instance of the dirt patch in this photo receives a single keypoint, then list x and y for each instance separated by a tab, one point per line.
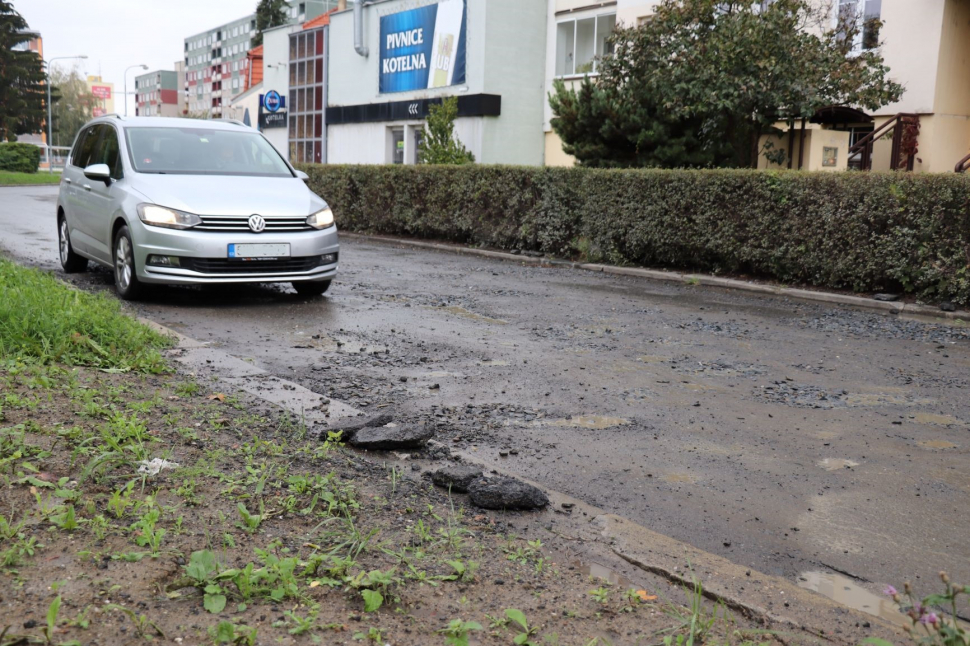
255	532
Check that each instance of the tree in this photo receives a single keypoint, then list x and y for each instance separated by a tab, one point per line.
72	105
22	93
269	14
439	145
723	73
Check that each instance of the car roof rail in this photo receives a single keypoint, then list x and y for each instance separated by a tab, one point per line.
112	114
232	121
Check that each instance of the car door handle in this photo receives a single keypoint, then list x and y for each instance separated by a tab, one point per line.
67	180
87	187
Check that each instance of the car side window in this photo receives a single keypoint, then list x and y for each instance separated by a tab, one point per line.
109	153
84	150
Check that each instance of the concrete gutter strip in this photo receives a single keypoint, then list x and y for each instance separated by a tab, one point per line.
671	276
742	589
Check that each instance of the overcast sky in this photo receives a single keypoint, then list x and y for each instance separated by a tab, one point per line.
115	34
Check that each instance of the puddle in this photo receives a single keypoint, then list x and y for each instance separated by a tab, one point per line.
604	573
937	444
849	593
588	421
937	420
884	399
835	464
457	310
442	373
493	363
827	435
679	478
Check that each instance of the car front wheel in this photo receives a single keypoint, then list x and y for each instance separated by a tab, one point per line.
312	288
70	261
127	284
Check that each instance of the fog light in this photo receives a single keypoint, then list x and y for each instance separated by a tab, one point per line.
164	261
328	259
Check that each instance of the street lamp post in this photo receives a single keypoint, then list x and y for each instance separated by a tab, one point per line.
50	129
144	67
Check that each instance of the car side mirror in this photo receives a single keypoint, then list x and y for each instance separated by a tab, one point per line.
301	175
98	173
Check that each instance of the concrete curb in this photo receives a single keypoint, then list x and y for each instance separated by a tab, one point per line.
756	595
675	277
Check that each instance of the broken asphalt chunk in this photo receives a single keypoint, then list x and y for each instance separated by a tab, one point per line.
506	493
387	438
458	477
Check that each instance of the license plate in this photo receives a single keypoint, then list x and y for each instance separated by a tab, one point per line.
259	251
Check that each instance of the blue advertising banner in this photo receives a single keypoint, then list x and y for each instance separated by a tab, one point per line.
423	48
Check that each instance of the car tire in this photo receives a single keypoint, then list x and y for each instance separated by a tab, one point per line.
312	288
70	261
127	285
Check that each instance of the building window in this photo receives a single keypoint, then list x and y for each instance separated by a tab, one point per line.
579	43
305	101
866	15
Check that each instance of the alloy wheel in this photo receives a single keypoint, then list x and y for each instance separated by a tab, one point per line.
123	263
64	243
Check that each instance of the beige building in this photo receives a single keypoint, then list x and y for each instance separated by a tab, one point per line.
925	43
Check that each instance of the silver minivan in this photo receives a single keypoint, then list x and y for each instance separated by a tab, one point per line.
187	201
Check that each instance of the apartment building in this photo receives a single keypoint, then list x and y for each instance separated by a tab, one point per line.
216	63
157	94
925	43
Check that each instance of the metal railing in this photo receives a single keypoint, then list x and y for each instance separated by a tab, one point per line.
905	127
963	165
55	157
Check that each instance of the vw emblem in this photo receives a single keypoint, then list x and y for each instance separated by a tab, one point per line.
256	223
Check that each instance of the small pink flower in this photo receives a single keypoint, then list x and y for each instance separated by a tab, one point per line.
929	619
890	591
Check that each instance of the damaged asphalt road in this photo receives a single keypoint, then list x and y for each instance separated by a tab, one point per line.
788	437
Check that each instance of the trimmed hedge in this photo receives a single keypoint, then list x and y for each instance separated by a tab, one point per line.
19	158
861	231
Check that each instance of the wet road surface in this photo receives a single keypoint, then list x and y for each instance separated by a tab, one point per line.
786	436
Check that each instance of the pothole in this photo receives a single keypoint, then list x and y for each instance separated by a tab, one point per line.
587	421
835	464
844	590
937	444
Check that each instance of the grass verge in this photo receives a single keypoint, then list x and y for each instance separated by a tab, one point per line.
9	178
43	319
259	533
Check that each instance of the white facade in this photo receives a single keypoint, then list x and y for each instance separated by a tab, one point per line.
505	55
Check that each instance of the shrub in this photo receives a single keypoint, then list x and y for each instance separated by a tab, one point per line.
859	231
19	158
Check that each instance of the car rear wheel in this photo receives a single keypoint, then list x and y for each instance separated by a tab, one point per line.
312	288
70	261
127	284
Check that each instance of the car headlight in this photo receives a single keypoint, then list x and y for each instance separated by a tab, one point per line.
321	219
159	216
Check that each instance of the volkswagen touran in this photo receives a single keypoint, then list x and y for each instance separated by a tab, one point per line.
184	201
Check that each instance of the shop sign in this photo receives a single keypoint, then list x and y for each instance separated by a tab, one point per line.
272	120
423	48
102	92
273	102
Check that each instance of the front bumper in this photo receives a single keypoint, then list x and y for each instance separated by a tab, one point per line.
214	245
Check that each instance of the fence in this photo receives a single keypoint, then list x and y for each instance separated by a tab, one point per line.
54	158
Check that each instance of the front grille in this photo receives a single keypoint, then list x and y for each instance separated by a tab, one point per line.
241	223
274	266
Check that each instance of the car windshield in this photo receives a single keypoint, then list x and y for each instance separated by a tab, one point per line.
203	151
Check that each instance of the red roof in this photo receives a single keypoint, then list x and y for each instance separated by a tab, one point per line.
254	72
320	21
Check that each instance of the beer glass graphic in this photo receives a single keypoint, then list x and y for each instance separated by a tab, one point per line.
442	62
